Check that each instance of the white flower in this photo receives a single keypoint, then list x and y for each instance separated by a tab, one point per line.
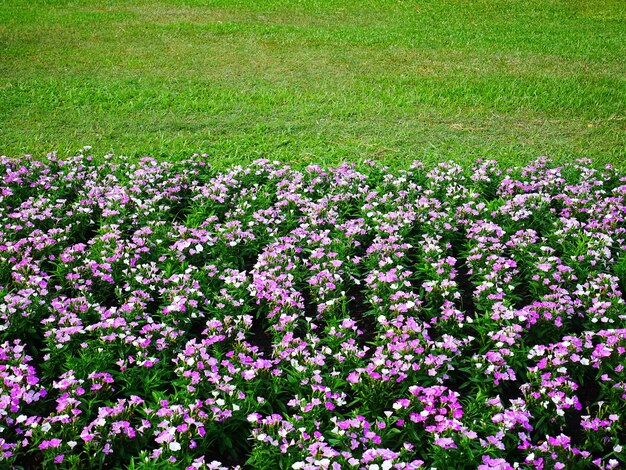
174	446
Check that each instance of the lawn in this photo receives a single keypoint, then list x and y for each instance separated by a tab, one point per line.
311	80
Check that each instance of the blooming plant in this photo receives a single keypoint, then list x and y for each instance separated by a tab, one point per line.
160	315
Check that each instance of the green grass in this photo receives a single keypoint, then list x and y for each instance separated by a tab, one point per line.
314	80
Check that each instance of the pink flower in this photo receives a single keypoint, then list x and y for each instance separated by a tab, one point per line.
445	442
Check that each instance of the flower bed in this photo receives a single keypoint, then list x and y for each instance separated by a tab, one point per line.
158	315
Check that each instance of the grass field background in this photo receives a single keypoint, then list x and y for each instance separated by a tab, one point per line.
314	80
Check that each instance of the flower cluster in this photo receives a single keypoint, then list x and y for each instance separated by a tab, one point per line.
171	315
